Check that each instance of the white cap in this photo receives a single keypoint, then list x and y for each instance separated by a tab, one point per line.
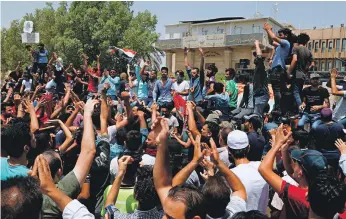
237	140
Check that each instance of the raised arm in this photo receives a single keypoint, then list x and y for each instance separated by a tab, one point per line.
266	167
201	69
85	63
154	108
233	181
98	63
335	90
68	135
162	172
34	126
113	193
293	62
268	28
88	146
187	66
183	174
191	120
126	97
104	110
72	117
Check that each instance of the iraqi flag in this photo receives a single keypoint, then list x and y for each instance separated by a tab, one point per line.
126	53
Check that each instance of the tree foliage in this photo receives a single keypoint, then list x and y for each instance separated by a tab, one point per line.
89	27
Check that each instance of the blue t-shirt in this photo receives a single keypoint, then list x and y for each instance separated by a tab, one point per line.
198	89
8	171
42	57
142	86
281	53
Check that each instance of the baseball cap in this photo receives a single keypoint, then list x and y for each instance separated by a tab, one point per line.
314	75
326	113
312	161
237	140
250	116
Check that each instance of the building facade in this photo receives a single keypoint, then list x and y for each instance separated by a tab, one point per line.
225	41
328	46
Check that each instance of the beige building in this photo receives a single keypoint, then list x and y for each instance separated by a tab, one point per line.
225	41
328	46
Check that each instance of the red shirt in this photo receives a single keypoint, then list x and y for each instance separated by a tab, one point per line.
295	201
93	82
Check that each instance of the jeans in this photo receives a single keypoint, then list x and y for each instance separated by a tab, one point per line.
260	104
342	122
275	81
241	112
313	118
299	83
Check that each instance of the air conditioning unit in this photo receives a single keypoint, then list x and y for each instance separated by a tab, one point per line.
314	28
331	26
342	25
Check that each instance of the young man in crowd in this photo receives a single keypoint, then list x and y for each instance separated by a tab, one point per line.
260	83
151	85
180	87
162	89
257	189
282	50
231	88
339	112
315	98
196	77
302	61
113	80
94	75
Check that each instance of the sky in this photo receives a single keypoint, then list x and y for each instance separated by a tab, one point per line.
302	15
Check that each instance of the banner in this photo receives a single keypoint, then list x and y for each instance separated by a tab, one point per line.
30	37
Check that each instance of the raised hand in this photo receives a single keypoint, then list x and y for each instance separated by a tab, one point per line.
154	107
42	172
28	105
161	129
123	162
106	86
201	51
198	154
341	145
333	73
125	95
90	106
267	26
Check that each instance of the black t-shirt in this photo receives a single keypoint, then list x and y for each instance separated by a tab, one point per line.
260	80
304	59
314	97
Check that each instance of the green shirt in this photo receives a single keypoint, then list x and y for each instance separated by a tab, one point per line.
232	87
68	185
126	202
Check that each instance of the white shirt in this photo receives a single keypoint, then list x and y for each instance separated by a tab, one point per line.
75	209
172	123
184	85
27	84
256	187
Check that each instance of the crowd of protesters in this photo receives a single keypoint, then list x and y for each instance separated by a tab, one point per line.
88	142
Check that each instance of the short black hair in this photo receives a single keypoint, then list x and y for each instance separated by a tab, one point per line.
241	153
195	68
144	190
192	198
41	44
14	137
285	31
231	72
256	122
21	197
218	87
327	196
214	129
133	140
303	39
54	161
217	196
164	68
213	68
302	136
253	214
42	140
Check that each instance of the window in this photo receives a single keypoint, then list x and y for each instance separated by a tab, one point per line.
256	29
204	32
171	35
323	66
316	66
309	45
343	48
316	46
330	65
237	30
220	31
330	46
323	46
338	64
337	45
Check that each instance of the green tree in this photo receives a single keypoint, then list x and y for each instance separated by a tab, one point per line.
85	27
